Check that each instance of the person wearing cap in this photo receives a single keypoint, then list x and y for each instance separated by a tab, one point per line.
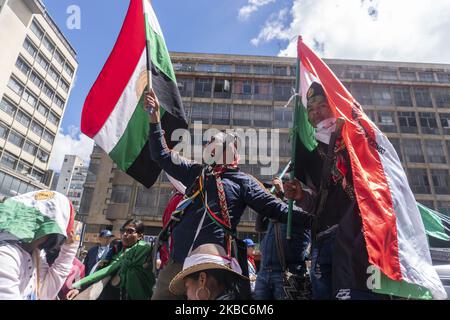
32	226
339	255
96	253
217	195
252	271
208	274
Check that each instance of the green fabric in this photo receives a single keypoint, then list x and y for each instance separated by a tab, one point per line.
303	128
26	223
402	289
433	224
134	278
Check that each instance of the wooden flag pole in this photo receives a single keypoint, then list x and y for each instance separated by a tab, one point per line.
148	46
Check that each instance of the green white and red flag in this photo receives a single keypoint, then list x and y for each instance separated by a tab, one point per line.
113	113
393	228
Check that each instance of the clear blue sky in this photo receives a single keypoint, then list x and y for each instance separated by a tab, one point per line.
209	26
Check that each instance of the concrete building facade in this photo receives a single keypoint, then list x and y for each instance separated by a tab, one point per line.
72	178
37	66
409	102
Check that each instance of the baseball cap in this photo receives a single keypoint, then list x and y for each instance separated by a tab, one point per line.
249	242
105	234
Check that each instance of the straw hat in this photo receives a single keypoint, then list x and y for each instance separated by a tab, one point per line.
204	257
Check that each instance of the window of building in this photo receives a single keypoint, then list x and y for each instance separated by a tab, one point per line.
285	144
203	87
283	117
53	118
9	161
224	68
222	88
402	96
408	75
146	201
428	122
43	62
445	122
42	109
413	150
164	197
37	30
263	90
283	90
23	66
16	138
15	86
3	131
242	115
418	181
36	79
242	89
441	181
426	76
183	66
69	69
407	121
201	112
48	44
86	200
221	114
8	107
262	69
59	57
442	97
361	92
58	101
53	73
243	68
444	207
36	128
396	144
43	156
280	70
49	92
30	148
23	118
23	168
204	67
64	85
388	75
423	97
382	95
262	116
371	114
185	86
120	194
30	47
443	77
435	151
30	98
47	136
386	121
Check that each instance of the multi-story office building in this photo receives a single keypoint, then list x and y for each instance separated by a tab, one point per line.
37	66
71	179
410	102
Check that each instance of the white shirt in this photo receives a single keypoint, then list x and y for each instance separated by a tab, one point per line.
20	271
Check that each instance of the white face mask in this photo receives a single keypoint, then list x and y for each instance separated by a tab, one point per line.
324	130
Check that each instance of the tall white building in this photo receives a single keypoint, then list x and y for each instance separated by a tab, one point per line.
71	179
37	68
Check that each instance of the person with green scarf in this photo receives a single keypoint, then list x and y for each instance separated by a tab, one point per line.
130	270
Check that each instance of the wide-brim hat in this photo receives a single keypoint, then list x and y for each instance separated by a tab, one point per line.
205	257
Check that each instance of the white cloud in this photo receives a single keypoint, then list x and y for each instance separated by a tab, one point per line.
251	7
401	30
74	142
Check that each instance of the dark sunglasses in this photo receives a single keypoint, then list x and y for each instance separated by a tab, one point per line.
128	230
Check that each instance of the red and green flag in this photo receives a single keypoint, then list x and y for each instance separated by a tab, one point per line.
393	227
113	113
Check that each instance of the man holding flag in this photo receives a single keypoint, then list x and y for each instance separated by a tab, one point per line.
368	235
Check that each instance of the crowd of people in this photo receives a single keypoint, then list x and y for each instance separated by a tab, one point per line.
198	255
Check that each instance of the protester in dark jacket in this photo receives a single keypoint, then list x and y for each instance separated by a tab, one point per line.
222	186
96	253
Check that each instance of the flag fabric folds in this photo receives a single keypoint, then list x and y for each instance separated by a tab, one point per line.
393	229
113	113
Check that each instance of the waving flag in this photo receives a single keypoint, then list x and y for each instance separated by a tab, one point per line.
113	113
393	228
